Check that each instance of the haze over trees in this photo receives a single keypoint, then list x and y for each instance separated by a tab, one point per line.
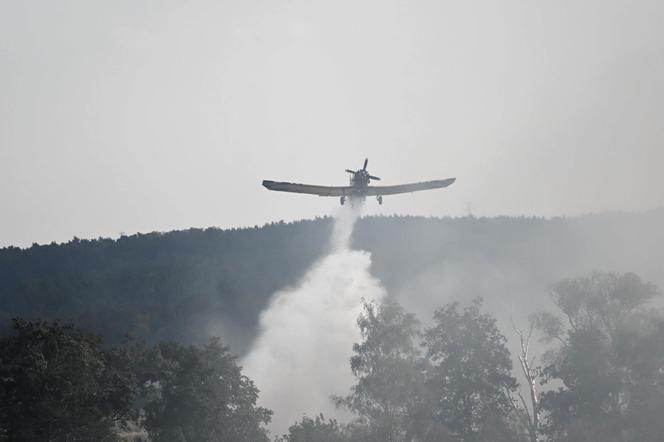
388	395
609	358
58	383
434	366
450	381
602	378
191	285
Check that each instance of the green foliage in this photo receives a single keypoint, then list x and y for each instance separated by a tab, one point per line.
389	372
201	395
57	384
601	301
609	361
315	430
471	370
186	286
178	286
173	286
454	390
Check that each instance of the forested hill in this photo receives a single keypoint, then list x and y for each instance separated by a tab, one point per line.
189	285
181	285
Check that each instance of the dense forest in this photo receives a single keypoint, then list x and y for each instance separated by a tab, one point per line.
494	329
188	286
601	378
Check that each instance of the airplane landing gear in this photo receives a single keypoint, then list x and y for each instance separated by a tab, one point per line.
380	199
342	200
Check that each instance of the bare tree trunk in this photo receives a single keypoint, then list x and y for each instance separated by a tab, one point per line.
530	416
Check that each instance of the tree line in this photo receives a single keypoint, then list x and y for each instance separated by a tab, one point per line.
593	369
180	285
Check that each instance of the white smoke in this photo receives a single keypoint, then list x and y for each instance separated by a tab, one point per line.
302	355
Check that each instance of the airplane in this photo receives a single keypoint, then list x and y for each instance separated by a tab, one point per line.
359	187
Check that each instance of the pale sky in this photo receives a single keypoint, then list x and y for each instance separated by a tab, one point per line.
135	116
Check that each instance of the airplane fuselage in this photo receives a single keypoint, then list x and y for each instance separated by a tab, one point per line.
360	182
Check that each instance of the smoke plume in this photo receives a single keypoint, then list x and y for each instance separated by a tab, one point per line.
302	354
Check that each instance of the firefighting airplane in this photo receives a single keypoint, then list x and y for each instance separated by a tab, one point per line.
359	187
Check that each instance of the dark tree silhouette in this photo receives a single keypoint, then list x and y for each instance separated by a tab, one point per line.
390	377
316	430
471	370
56	384
609	360
200	394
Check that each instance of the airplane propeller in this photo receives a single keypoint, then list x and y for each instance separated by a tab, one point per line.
364	169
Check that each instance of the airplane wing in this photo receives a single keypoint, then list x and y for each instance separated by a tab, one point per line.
308	188
406	188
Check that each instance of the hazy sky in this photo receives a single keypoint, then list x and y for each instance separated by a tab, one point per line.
155	115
